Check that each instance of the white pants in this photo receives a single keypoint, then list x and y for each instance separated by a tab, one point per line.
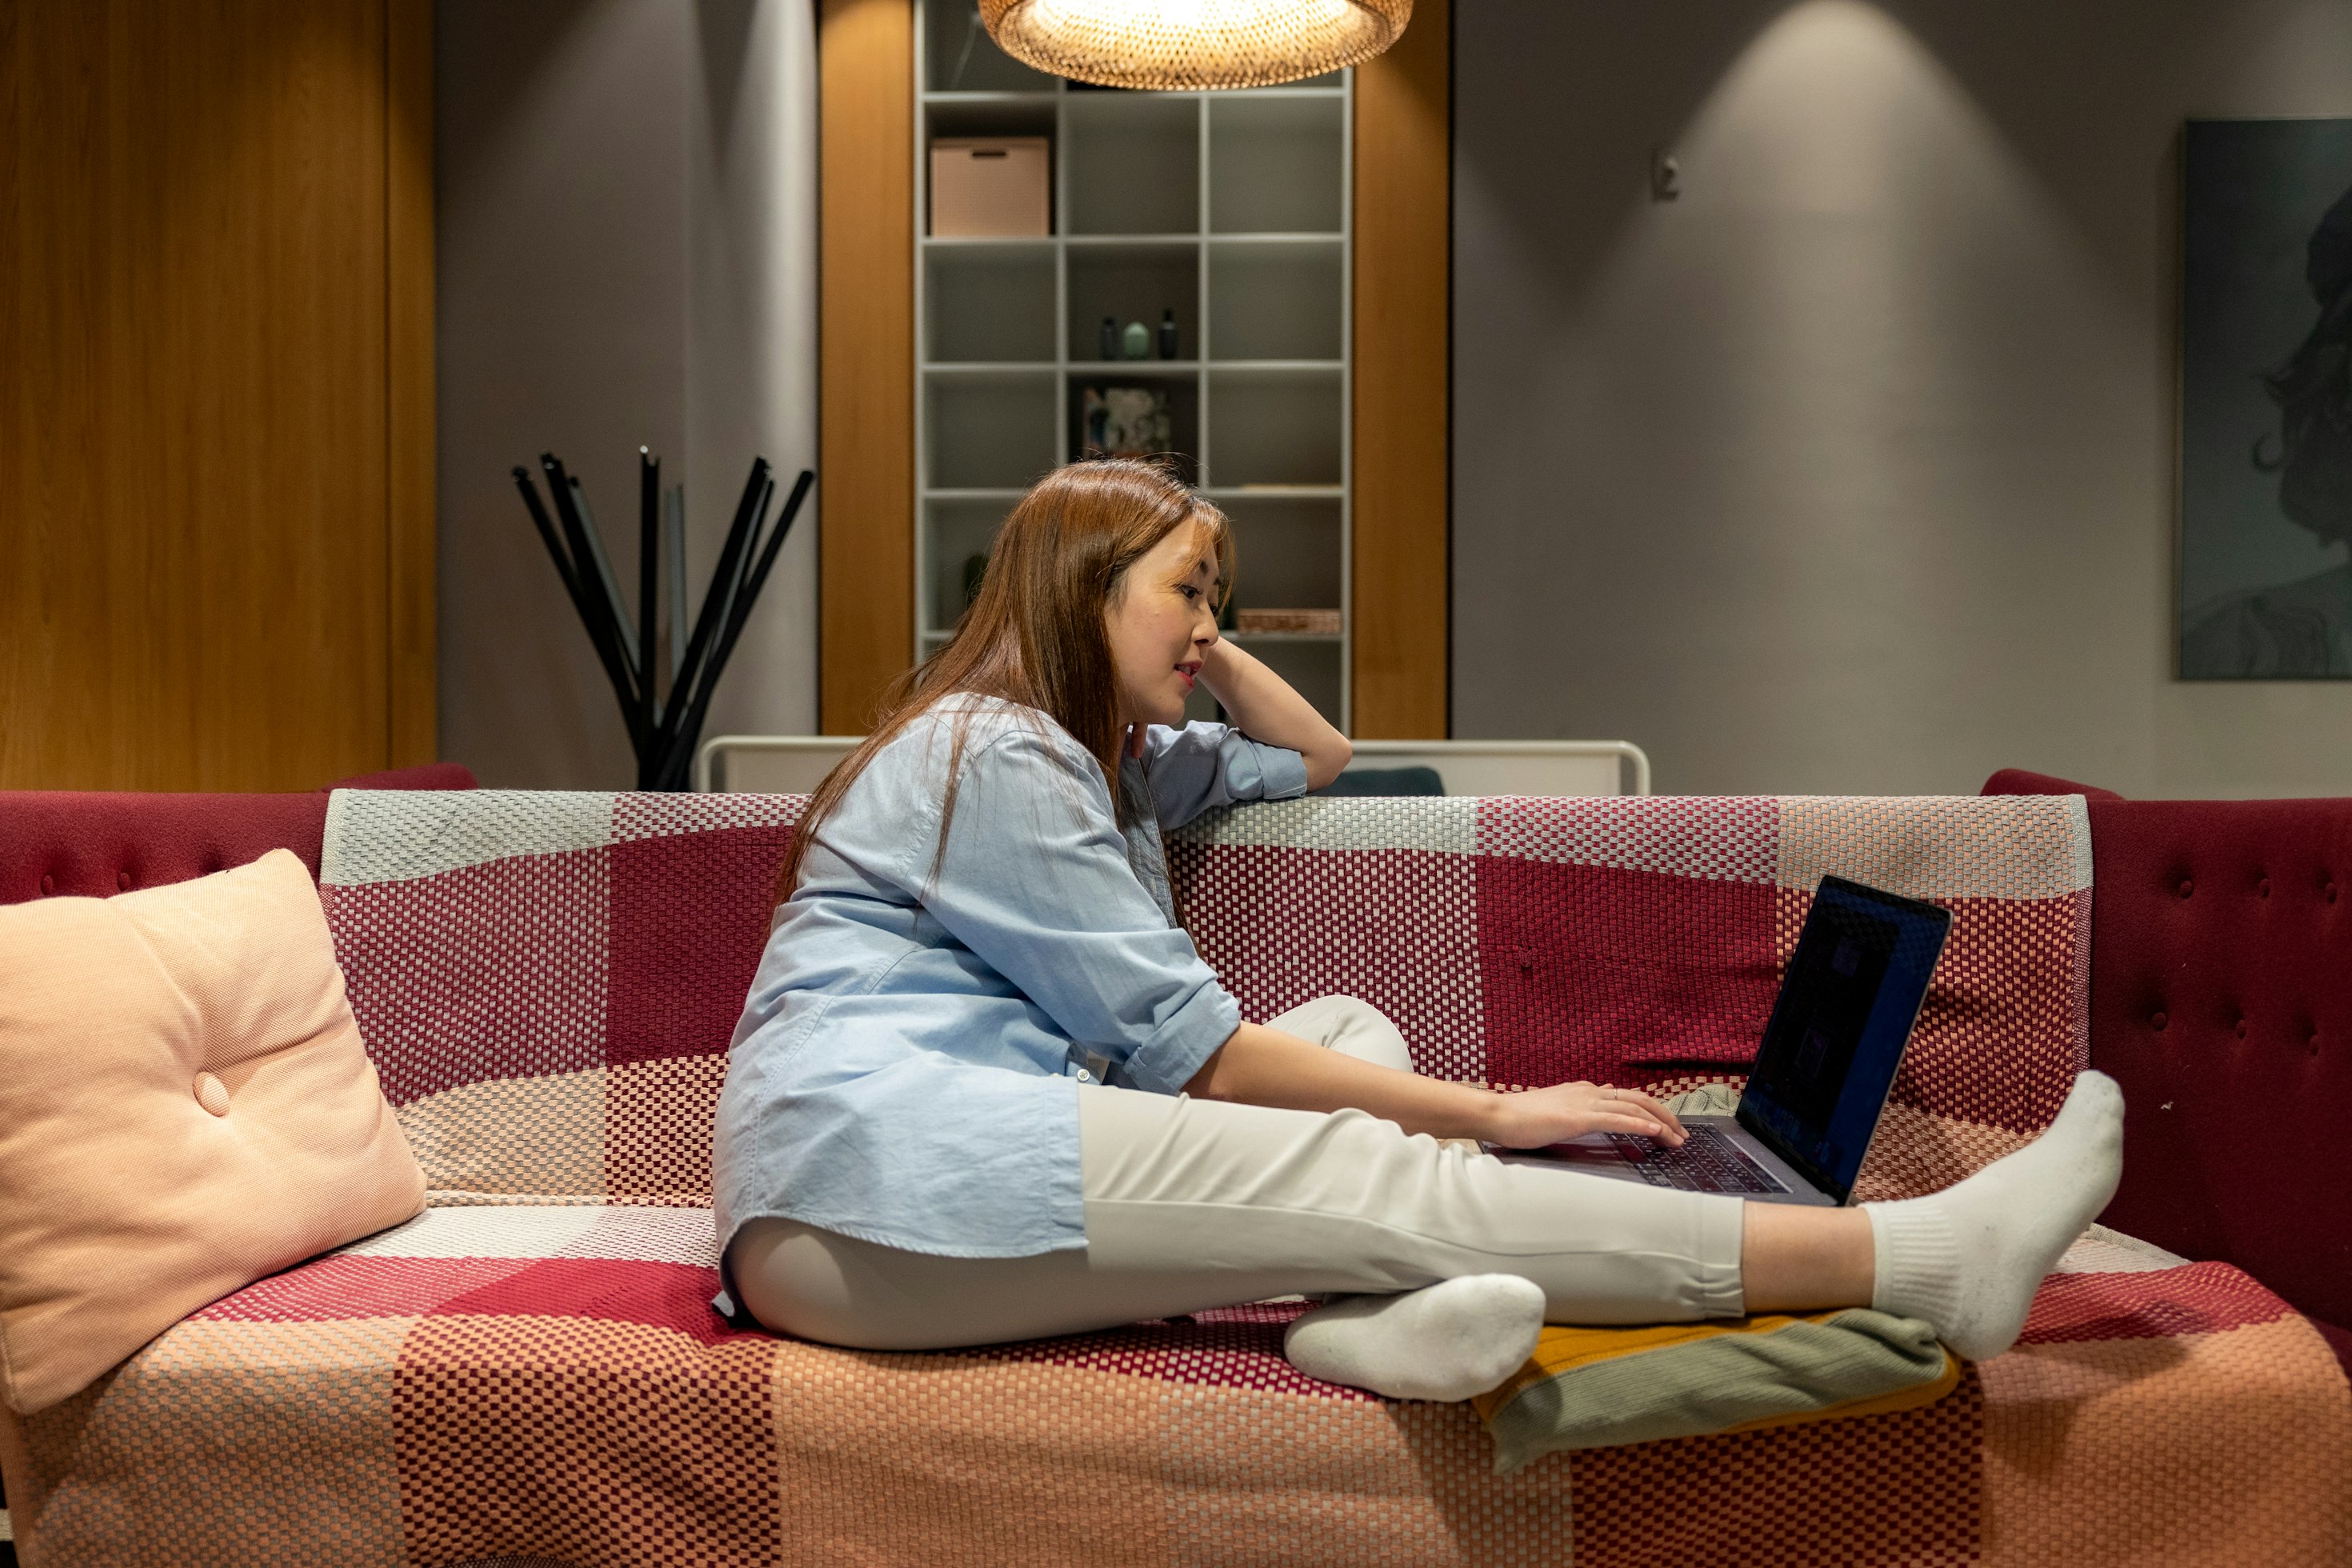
1192	1205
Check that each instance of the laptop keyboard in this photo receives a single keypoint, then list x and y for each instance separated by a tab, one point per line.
1707	1163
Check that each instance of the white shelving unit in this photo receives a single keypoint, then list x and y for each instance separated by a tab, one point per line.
1231	209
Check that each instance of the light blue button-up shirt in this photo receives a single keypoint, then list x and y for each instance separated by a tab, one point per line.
906	1067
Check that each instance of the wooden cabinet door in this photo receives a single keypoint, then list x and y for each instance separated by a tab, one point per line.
215	392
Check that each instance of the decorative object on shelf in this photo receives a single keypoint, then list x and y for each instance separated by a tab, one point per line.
991	187
1125	421
1317	623
1168	333
1187	44
2265	490
664	717
1110	337
1138	340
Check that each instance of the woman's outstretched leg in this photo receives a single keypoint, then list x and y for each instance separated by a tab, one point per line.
1967	1259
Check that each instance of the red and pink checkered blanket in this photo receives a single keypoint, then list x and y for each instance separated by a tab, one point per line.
531	1369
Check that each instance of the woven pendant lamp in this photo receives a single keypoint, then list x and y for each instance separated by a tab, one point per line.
1180	44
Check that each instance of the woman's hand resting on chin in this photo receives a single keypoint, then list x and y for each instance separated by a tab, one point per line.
1536	1117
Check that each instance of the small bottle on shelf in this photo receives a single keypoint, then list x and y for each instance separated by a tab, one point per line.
1110	337
1168	334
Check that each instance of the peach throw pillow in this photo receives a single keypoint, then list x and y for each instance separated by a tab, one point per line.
184	1107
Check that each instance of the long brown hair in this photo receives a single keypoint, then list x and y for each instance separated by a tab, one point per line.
1035	634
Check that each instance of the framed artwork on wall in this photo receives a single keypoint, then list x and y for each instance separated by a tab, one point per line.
2265	548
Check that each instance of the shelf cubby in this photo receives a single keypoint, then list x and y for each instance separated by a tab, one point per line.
1133	163
1181	382
1278	301
1314	666
1276	165
1288	550
1133	282
989	303
959	530
959	57
1275	427
989	429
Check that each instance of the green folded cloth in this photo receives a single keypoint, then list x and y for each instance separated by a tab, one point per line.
1593	1388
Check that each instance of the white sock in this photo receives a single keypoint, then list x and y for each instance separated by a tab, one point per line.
1447	1341
1968	1259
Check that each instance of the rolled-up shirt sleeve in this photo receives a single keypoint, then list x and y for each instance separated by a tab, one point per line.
1202	766
1035	880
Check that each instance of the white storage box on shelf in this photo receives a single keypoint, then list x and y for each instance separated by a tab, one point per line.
794	765
991	187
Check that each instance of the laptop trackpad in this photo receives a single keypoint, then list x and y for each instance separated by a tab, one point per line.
1595	1152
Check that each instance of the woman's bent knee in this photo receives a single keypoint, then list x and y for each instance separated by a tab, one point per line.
1351	1026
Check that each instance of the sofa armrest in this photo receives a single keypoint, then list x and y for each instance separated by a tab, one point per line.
2222	1002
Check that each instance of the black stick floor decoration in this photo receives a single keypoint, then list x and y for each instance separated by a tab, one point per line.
663	725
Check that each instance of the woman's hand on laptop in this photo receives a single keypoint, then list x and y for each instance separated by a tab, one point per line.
1537	1117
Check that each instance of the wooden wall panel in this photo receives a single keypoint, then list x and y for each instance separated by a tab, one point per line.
197	394
1401	550
412	721
865	349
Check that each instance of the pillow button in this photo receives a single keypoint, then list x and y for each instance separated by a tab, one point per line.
211	1094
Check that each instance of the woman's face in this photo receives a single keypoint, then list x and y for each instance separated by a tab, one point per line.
1162	618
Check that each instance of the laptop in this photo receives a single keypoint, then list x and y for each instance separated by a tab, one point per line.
1852	992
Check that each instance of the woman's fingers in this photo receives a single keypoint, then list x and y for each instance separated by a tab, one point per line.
1626	1121
1656	1108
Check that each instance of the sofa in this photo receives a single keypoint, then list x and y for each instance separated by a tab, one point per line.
532	1371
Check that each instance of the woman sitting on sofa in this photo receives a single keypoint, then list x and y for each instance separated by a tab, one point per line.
984	1088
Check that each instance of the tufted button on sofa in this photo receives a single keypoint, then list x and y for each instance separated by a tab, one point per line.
2221	1001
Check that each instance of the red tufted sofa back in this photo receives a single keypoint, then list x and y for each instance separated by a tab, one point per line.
2221	1001
94	844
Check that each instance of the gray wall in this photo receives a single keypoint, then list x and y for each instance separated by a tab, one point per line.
626	206
1852	469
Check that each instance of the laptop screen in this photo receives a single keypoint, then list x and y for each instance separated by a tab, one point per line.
1852	991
